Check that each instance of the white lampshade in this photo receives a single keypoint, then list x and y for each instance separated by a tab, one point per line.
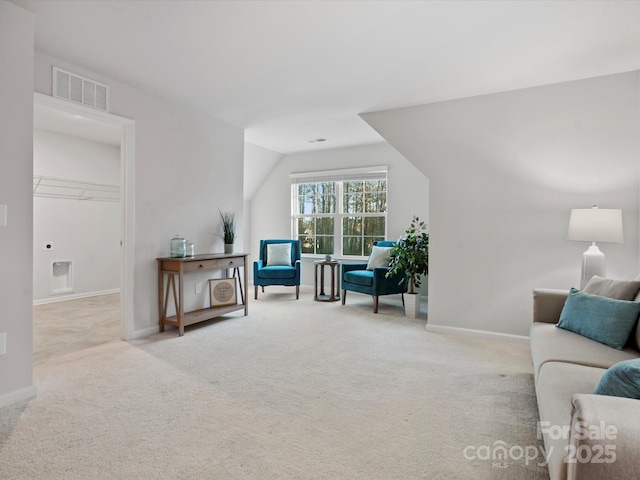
595	225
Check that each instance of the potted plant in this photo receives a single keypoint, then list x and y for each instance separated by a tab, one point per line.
410	255
228	230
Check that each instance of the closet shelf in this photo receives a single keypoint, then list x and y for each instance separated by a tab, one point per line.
54	187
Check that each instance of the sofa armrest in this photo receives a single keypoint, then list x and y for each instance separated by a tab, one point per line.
604	438
257	265
548	304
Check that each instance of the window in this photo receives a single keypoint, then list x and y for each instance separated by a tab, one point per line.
340	213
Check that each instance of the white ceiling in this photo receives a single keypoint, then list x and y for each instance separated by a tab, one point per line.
288	71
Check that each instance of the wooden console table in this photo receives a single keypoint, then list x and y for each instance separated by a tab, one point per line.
175	269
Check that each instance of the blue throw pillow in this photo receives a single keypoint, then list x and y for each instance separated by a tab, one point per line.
602	319
621	380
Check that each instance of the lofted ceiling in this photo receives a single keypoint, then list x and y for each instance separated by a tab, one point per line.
291	71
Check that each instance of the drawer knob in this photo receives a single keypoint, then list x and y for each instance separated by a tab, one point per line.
200	266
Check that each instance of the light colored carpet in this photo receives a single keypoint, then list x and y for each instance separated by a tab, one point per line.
296	390
64	327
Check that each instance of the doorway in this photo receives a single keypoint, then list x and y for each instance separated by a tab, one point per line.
125	129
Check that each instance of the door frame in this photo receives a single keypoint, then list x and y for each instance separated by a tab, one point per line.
127	197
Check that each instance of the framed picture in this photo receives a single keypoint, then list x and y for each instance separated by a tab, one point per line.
222	291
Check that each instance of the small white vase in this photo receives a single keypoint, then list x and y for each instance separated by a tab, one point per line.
412	305
228	248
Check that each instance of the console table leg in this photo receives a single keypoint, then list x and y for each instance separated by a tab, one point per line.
180	311
237	269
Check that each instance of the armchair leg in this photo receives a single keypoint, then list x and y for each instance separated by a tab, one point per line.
375	304
297	292
344	296
402	299
256	292
262	288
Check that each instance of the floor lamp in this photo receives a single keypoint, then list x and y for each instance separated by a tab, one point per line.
594	225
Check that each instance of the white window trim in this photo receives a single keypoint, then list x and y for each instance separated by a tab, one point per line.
342	175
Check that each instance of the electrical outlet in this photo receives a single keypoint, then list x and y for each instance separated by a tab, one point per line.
198	287
3	343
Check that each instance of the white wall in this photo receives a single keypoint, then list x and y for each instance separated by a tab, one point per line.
187	166
408	192
258	164
86	232
504	172
16	170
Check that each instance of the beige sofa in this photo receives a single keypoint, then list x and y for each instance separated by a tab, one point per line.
586	436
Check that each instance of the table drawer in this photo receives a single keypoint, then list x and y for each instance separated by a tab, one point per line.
201	265
231	262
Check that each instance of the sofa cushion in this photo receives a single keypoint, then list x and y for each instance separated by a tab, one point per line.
277	272
621	380
379	257
608	287
620	289
551	344
635	335
359	277
557	383
603	319
278	254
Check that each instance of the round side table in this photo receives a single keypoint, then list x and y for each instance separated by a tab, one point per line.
334	295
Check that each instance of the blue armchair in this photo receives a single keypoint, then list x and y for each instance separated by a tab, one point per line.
357	278
282	269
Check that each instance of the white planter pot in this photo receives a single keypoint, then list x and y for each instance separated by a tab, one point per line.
411	305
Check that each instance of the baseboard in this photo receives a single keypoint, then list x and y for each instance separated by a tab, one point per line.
17	396
76	296
145	332
468	332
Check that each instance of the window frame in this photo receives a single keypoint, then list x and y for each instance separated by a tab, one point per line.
338	178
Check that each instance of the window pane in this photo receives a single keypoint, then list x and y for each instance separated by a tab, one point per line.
375	185
324	226
352	246
352	226
307	189
306	245
353	203
305	226
374	226
306	204
327	188
325	245
375	202
326	204
353	186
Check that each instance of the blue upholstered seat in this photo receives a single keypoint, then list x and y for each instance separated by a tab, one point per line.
357	278
287	275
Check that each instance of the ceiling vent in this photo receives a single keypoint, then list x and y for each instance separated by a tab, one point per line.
79	89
